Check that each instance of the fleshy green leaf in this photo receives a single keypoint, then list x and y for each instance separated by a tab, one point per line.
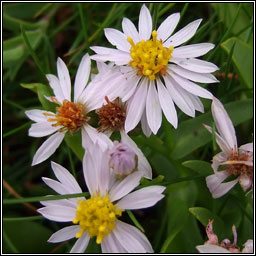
75	143
242	59
198	166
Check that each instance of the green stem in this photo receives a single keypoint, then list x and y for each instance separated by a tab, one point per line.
9	243
14	104
17	129
81	13
135	221
71	161
23	218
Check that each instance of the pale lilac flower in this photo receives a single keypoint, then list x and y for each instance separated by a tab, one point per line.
109	198
213	246
70	115
156	73
237	161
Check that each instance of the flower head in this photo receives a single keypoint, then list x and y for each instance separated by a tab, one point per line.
155	71
238	162
98	215
70	116
213	246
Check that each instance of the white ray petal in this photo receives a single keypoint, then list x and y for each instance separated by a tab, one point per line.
195	65
247	147
224	188
42	129
192	51
191	75
153	108
58	213
210	248
118	39
196	102
48	147
213	181
184	34
145	23
224	123
64	234
64	79
81	244
110	244
168	26
167	104
142	198
38	115
130	30
137	105
55	85
82	76
144	124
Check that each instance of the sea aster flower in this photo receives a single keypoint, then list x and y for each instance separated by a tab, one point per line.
98	215
70	115
238	161
156	72
213	246
112	117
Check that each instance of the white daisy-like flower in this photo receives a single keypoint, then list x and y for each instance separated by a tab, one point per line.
70	115
213	246
98	215
156	73
238	161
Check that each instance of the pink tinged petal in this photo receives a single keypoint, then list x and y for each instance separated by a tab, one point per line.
64	234
168	26
144	124
130	87
224	123
211	249
137	105
37	115
125	186
245	182
190	86
119	58
192	51
143	164
213	181
195	65
63	202
196	102
145	23
81	244
153	108
117	39
82	76
48	148
57	88
42	129
100	50
65	177
56	186
184	34
248	246
220	141
58	213
191	75
130	30
247	147
142	198
110	244
64	78
130	239
217	160
167	104
178	97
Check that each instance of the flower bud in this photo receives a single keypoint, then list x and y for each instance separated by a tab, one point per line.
123	160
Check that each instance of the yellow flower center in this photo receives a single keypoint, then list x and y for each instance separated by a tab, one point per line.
70	115
96	215
150	56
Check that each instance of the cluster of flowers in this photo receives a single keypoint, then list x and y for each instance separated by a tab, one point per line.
144	76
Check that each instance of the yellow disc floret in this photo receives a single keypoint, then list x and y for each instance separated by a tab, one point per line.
96	215
150	56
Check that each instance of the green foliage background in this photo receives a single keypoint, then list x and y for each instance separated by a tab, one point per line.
35	34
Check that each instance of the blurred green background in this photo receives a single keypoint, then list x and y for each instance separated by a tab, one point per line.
35	34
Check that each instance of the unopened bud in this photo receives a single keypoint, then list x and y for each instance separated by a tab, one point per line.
123	160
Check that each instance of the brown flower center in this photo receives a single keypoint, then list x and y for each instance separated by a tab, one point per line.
70	115
111	116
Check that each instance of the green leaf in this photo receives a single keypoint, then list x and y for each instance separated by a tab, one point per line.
42	90
28	237
201	167
191	134
75	143
242	59
204	215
